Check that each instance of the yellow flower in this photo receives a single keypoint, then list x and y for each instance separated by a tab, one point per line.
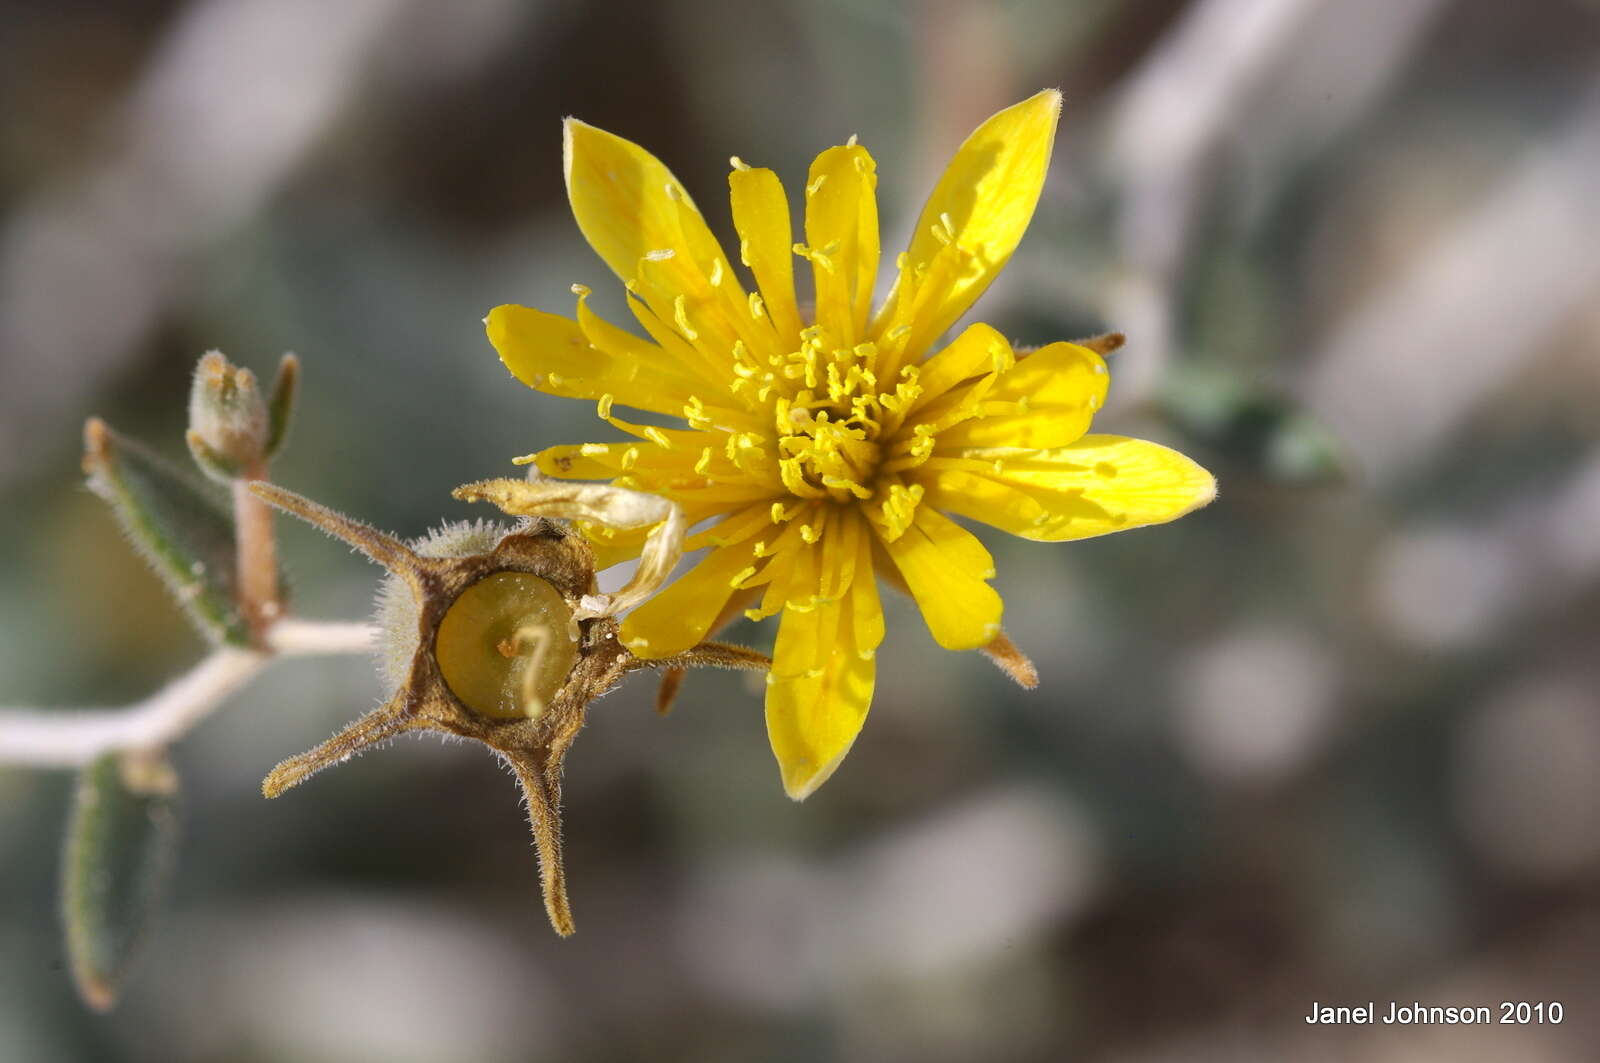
830	446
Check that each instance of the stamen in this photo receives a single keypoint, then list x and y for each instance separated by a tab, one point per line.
694	411
842	484
680	314
898	510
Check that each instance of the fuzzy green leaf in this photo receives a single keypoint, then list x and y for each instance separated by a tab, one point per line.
121	840
181	528
280	404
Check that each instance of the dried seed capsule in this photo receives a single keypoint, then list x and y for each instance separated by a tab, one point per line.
501	635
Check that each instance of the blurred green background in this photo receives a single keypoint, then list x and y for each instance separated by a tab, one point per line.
1335	738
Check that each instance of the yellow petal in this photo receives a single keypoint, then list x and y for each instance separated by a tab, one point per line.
630	206
1098	485
1046	400
822	678
841	551
766	242
945	567
613	546
642	460
680	616
552	354
665	459
657	374
978	350
842	239
981	206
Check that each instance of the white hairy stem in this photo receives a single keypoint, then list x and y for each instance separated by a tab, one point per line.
70	738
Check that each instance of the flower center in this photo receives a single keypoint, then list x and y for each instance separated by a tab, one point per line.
830	418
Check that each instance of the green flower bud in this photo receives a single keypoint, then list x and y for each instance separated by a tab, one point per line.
229	427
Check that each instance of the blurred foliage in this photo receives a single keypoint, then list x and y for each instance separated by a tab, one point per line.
120	843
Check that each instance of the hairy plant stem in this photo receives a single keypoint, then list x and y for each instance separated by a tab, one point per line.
257	556
71	738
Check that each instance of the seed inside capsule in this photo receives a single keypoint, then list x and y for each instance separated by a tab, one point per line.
506	645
